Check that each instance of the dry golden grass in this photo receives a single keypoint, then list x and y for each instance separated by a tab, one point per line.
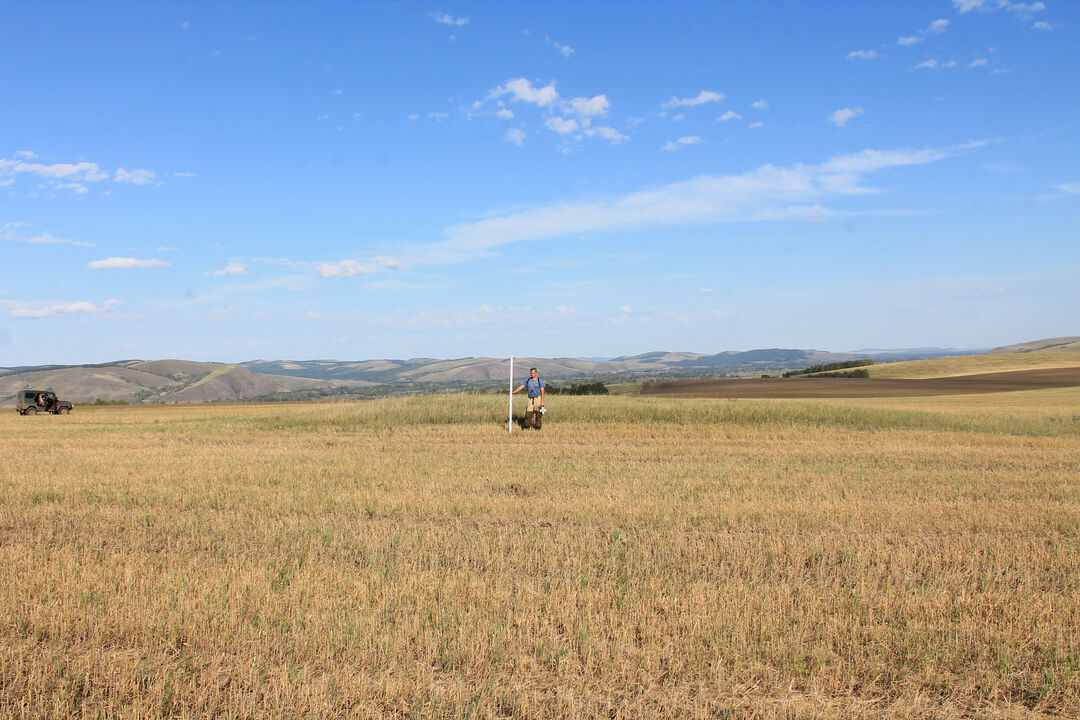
638	558
973	365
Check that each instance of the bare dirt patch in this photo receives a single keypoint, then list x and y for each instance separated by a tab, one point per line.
810	387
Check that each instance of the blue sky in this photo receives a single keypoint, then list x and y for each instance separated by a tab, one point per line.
231	181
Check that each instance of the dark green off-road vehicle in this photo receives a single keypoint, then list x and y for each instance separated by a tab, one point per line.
31	402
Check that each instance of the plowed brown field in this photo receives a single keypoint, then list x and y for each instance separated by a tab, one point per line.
810	387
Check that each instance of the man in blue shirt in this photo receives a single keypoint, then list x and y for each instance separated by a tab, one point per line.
534	388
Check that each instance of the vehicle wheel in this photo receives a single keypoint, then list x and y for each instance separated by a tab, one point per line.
30	411
63	411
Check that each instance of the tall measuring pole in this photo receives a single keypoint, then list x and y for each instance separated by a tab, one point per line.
510	412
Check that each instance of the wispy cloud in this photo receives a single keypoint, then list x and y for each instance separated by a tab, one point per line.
1020	8
139	176
841	117
681	142
229	270
1062	190
729	115
934	65
447	19
705	96
68	176
606	133
935	28
564	50
768	193
125	263
515	136
760	105
49	308
15	232
862	55
357	268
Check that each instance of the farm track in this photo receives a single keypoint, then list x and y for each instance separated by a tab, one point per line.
811	387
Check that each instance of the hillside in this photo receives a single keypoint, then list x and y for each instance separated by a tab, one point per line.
1059	344
161	381
973	365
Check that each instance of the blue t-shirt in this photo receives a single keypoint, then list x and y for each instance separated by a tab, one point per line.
532	387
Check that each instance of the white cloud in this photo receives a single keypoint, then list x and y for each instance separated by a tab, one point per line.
84	171
563	126
10	232
607	133
678	118
978	62
705	96
505	114
841	117
1023	9
414	116
1069	188
938	26
447	19
523	90
185	174
760	105
516	136
682	142
49	308
590	107
438	116
707	291
729	115
77	188
756	125
139	176
356	268
908	40
862	55
229	270
767	193
934	64
564	50
1043	25
25	155
123	263
185	25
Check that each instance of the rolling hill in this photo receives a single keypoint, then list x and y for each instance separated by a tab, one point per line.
159	381
973	365
1059	344
183	381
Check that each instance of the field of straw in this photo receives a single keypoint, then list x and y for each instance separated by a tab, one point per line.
638	558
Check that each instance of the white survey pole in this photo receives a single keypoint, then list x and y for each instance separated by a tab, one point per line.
510	412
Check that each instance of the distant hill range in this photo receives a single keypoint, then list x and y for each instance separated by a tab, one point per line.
182	381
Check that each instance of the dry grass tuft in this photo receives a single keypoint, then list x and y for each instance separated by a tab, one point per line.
638	558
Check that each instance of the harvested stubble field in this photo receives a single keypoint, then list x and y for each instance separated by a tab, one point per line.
638	558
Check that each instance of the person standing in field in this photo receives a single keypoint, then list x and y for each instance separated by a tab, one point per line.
534	388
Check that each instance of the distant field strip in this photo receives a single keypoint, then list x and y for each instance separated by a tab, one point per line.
640	557
811	387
